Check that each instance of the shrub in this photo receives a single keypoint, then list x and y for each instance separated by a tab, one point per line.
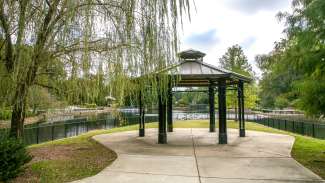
87	105
5	114
13	155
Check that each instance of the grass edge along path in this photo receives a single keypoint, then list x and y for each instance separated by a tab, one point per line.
79	157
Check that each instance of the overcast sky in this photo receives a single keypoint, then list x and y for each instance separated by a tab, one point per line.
219	24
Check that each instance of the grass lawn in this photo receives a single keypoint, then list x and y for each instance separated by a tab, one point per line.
78	157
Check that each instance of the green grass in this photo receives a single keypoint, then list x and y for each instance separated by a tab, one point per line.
88	158
310	152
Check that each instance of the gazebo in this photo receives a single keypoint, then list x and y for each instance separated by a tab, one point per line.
191	71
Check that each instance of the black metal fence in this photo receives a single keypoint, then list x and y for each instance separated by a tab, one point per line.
58	130
302	127
47	132
316	130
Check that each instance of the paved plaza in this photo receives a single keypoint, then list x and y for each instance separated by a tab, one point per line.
193	156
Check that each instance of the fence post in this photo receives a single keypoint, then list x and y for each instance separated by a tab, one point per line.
285	125
86	126
303	128
273	122
52	132
65	130
77	130
37	134
313	129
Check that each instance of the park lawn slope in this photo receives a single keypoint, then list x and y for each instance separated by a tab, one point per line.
310	152
79	157
70	159
67	160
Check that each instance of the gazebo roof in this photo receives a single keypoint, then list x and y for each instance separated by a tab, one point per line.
194	72
191	54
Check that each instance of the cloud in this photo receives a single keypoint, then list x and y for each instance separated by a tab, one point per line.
253	6
217	25
248	42
204	40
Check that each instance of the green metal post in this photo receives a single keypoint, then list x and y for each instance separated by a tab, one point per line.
222	112
170	108
212	108
162	136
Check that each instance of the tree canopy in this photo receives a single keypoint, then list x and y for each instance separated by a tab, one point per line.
74	48
294	72
235	60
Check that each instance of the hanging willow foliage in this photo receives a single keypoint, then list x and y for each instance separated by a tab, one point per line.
124	38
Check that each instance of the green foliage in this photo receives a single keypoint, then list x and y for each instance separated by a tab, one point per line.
281	102
84	50
183	99
5	114
295	69
13	156
235	60
314	101
90	105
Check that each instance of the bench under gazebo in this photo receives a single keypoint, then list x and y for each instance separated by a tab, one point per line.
191	71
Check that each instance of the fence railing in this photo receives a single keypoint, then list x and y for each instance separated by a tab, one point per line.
316	130
312	129
47	132
53	131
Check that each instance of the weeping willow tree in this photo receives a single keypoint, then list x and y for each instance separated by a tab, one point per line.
126	38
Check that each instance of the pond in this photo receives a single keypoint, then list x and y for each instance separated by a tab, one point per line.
68	126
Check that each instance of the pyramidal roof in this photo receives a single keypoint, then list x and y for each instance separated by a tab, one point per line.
191	66
190	54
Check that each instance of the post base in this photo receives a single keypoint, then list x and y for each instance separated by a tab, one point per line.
162	138
223	138
170	129
242	133
141	132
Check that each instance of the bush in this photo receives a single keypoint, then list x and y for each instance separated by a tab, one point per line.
90	105
13	156
5	114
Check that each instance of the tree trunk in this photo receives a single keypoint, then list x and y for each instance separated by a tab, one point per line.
18	111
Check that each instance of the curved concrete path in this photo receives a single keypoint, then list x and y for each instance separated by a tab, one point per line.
193	156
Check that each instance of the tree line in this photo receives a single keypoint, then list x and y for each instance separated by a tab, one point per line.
294	71
72	49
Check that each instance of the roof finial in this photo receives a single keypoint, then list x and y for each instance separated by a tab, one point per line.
191	54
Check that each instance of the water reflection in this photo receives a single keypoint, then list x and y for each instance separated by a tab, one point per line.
74	125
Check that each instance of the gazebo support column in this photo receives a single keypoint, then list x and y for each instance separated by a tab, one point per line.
162	134
170	109
239	108
141	117
222	112
212	108
242	132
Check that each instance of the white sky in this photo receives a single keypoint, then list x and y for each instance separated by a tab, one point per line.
219	24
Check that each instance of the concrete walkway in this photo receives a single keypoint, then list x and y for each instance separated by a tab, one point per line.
193	156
